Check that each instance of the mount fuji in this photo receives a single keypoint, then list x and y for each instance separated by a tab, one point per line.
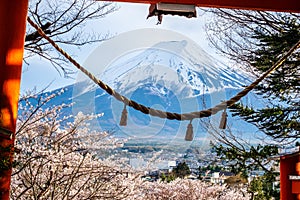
175	76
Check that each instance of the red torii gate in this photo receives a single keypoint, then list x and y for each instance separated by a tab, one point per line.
13	15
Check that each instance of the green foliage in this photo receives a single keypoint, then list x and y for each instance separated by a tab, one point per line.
273	44
163	177
282	88
244	160
262	188
211	167
278	121
181	170
167	178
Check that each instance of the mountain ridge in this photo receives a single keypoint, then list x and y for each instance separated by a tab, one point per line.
185	81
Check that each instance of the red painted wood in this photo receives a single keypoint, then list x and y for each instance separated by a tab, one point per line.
288	167
264	5
12	34
296	187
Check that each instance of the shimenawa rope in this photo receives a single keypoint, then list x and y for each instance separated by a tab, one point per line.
158	113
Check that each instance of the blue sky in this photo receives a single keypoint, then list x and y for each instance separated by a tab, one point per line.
128	17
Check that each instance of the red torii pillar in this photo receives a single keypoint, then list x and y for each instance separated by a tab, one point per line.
13	15
290	176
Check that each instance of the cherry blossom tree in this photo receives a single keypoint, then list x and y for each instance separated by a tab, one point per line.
59	157
55	158
188	189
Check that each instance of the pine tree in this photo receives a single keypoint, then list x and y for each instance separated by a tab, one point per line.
258	40
181	170
282	118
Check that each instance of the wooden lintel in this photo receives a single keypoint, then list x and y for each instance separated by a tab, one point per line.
262	5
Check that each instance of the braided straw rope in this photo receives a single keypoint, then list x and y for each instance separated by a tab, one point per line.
159	113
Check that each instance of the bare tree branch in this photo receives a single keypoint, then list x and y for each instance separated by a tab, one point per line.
66	23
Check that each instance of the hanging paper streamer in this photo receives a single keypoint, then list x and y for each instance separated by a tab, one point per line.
189	136
223	121
123	121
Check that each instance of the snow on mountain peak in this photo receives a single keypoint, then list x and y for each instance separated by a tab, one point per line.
178	65
160	57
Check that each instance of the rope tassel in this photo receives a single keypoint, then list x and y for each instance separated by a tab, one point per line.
223	121
123	121
189	132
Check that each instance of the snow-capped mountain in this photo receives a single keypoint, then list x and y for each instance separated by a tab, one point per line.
179	66
184	69
176	76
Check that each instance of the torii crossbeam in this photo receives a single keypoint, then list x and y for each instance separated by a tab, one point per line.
263	5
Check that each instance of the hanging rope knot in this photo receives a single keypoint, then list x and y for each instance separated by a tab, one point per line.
189	136
123	120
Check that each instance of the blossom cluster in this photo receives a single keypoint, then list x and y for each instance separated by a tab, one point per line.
57	157
182	189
